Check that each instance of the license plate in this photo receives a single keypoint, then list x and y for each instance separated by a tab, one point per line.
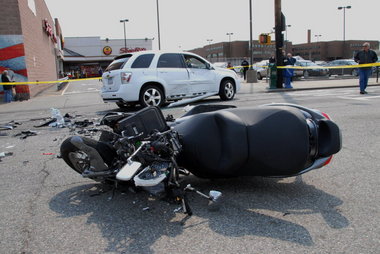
110	81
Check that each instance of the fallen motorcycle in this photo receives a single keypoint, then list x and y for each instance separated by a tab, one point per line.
150	152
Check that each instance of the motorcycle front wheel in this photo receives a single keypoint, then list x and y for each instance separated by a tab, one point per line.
80	160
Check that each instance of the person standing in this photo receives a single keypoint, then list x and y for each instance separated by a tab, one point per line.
288	73
245	66
365	56
230	67
8	93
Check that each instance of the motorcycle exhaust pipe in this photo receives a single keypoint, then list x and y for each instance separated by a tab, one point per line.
96	162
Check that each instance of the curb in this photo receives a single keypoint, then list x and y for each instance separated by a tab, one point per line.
276	90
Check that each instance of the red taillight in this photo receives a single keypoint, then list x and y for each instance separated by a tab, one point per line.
328	161
125	77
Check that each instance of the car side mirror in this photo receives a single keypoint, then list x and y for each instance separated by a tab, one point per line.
209	66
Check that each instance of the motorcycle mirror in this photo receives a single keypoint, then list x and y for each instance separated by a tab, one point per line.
215	200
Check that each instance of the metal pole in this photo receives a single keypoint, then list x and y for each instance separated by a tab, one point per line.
279	42
158	24
250	34
344	23
125	38
125	34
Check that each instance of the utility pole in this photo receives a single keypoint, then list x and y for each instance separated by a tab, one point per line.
250	35
158	26
279	40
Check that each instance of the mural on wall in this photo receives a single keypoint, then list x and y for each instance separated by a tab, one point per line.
12	57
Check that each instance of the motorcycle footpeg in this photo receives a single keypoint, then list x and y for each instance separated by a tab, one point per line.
96	161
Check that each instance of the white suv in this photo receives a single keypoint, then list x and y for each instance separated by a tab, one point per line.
153	78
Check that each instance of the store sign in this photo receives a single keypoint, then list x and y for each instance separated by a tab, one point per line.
49	30
129	50
107	50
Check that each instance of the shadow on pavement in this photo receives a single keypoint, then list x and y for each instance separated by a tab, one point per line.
252	206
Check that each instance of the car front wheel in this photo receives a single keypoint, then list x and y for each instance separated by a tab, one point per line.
227	90
151	96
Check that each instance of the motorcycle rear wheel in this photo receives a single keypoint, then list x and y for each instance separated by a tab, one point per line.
82	161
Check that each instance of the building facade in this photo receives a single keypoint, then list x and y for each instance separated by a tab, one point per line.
331	50
315	51
30	44
89	56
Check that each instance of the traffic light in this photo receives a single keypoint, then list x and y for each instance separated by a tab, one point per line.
264	39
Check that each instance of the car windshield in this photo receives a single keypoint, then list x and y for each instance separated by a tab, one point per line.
303	63
118	64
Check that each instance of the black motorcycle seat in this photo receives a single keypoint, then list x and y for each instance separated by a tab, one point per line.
269	140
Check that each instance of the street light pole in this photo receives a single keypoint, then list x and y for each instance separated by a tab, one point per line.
344	19
317	36
125	34
229	35
286	32
344	24
229	42
286	36
158	25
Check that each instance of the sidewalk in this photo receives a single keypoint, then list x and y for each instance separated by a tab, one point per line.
263	85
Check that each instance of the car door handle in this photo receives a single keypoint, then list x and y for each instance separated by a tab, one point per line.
163	72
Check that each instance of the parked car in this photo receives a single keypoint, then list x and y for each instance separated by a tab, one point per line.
342	71
220	64
376	69
261	69
152	78
310	71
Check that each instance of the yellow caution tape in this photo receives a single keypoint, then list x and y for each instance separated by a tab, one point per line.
330	67
235	67
314	66
46	82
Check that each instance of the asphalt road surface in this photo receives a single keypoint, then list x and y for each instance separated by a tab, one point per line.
47	208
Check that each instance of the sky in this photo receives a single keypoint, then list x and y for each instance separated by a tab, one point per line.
189	24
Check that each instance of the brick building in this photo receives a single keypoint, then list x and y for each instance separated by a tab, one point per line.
30	43
331	50
321	51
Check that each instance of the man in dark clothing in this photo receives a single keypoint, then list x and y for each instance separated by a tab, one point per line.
288	72
365	56
8	93
245	66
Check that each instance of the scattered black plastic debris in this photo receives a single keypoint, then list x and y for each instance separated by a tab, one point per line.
9	126
169	118
4	154
25	134
6	127
83	124
46	123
